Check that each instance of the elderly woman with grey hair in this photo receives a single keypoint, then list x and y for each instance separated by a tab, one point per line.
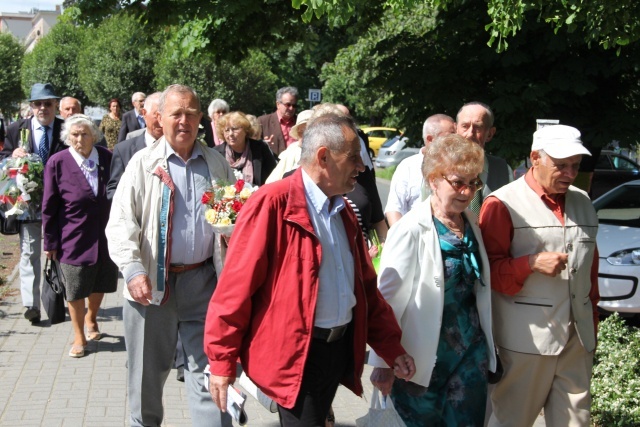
434	273
217	109
75	211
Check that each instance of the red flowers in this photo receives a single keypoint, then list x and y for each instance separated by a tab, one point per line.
239	186
206	197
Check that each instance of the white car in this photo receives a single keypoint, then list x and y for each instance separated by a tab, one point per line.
619	247
393	151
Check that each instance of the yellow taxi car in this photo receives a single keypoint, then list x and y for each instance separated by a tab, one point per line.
378	135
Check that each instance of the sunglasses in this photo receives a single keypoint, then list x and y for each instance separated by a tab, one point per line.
460	186
39	104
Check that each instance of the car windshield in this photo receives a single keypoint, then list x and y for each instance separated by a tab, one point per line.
389	142
620	207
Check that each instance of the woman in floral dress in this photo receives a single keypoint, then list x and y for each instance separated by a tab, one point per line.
110	125
434	273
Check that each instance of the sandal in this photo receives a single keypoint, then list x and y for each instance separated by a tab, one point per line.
76	351
94	335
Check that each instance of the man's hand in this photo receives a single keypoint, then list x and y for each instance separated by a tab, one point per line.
140	289
404	367
19	152
548	263
268	139
218	390
382	379
51	254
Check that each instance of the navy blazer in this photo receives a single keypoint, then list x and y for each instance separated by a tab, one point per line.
12	140
73	218
129	124
122	153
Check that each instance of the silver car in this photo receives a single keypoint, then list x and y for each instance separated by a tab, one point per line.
393	151
619	247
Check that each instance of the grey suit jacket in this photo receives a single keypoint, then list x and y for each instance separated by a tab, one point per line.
122	153
129	124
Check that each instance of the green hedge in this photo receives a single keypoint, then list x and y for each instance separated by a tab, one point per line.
615	386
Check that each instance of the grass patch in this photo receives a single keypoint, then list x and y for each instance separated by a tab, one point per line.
385	173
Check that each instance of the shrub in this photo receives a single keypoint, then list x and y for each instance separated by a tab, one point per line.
615	386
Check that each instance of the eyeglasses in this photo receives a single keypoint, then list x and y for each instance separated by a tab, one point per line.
232	130
460	186
39	104
289	105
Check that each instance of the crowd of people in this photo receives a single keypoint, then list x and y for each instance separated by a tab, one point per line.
483	310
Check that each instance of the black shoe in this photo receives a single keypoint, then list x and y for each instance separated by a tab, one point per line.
32	315
180	374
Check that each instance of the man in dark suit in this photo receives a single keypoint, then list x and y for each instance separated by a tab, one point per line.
42	137
277	125
123	151
133	120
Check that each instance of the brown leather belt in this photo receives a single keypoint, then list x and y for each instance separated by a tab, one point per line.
181	268
330	334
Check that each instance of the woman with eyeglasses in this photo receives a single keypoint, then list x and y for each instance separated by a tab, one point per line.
251	157
434	273
111	123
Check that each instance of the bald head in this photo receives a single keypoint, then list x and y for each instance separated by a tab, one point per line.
69	106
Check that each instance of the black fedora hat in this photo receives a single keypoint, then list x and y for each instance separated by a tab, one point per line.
40	91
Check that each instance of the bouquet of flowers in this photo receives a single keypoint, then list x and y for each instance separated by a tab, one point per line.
224	201
21	184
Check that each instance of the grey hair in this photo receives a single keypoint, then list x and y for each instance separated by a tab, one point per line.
177	88
325	131
218	105
287	89
152	99
80	120
489	117
432	125
452	153
137	95
71	97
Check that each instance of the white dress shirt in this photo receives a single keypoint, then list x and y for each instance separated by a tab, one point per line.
406	185
336	297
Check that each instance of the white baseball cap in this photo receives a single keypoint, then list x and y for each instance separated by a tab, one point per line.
559	141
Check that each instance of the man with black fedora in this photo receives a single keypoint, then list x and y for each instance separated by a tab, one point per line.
42	138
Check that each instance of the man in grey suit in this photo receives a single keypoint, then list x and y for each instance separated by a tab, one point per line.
123	151
133	120
43	138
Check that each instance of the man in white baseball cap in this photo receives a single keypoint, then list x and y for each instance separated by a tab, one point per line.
540	235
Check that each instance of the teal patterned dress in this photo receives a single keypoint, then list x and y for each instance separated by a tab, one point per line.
457	392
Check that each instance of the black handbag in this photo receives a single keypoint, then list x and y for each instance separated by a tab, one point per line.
9	226
53	293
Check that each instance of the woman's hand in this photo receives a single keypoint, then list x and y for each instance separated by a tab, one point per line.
373	251
382	379
52	254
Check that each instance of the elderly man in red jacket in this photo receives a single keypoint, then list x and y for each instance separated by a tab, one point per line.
297	301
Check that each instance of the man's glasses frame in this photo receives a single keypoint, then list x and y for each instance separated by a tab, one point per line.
38	104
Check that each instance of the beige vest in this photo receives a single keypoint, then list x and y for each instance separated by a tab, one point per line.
538	318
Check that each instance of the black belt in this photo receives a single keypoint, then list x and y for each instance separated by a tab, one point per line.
329	334
181	268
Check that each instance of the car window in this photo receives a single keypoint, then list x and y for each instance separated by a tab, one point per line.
390	133
620	163
389	142
622	207
376	134
603	162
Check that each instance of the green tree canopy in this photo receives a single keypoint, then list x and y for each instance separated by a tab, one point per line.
117	60
611	24
54	60
11	53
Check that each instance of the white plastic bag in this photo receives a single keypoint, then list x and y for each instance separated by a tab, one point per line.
381	413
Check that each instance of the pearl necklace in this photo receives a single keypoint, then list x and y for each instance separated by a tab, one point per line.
88	165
